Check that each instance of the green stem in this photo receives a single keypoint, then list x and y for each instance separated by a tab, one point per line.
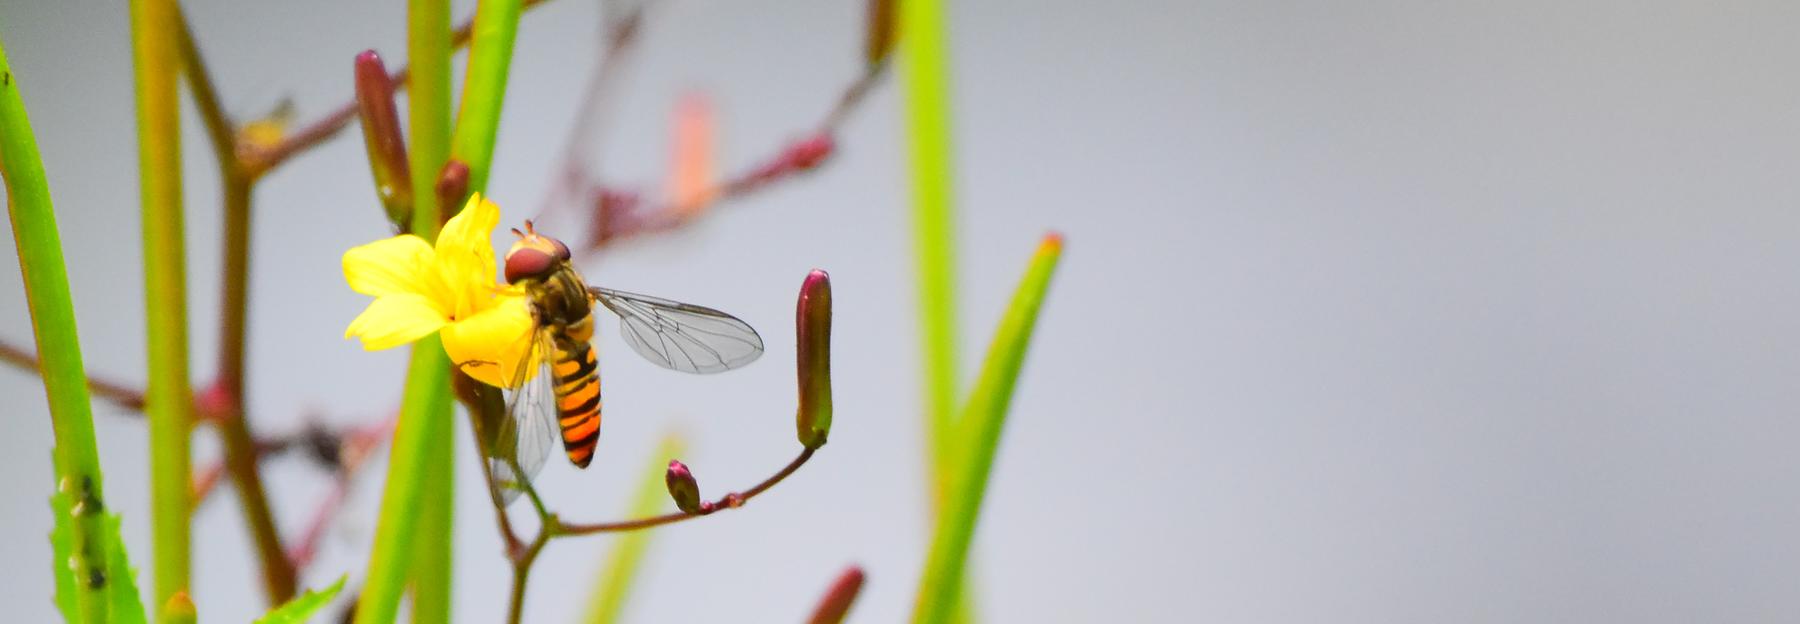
628	552
428	107
424	421
154	28
53	325
432	560
428	44
495	27
926	83
424	429
983	419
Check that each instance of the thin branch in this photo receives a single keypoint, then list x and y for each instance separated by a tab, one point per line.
733	500
619	214
118	393
225	398
260	160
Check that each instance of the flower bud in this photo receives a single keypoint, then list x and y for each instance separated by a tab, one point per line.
452	189
812	325
836	603
879	38
382	138
682	487
179	609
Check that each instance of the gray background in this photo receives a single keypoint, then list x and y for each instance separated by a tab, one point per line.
1377	311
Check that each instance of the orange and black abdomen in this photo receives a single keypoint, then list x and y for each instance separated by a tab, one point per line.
577	396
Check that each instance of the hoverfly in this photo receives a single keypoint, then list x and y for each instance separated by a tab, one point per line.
556	390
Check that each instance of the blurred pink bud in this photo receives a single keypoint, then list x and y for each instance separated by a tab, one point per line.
809	153
682	487
691	178
879	40
812	324
836	603
382	138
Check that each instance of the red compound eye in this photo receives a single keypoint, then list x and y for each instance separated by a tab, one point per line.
527	263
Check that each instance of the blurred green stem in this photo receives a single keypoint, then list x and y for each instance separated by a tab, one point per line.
154	28
614	584
495	27
982	419
53	325
926	83
419	460
279	577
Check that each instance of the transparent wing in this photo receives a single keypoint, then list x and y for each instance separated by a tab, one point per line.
529	430
681	336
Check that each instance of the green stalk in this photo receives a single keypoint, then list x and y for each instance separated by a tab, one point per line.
652	496
59	350
982	420
926	83
428	107
420	464
424	421
432	558
169	399
484	87
428	45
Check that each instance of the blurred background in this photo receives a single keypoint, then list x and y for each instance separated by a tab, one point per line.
1388	311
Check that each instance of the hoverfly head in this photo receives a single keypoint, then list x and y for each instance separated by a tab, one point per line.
534	256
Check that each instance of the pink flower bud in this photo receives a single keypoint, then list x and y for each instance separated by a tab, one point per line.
382	138
682	487
836	603
452	189
812	324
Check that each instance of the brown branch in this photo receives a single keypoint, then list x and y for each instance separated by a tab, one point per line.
118	393
733	500
225	398
619	214
261	160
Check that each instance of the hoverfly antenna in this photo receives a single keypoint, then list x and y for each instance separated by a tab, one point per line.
529	229
517	233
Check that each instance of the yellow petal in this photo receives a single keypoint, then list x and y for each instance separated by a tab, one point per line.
465	254
402	264
491	345
396	319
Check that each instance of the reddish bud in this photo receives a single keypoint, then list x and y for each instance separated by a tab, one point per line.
807	154
179	609
382	138
836	603
452	189
812	325
682	487
879	39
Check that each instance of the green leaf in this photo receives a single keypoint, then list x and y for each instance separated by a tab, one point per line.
614	584
979	436
121	585
120	588
296	611
62	548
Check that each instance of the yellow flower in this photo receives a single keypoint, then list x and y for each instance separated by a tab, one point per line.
485	326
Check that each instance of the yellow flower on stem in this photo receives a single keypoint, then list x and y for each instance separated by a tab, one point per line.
450	288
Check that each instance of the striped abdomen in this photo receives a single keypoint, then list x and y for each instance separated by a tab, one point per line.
578	391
